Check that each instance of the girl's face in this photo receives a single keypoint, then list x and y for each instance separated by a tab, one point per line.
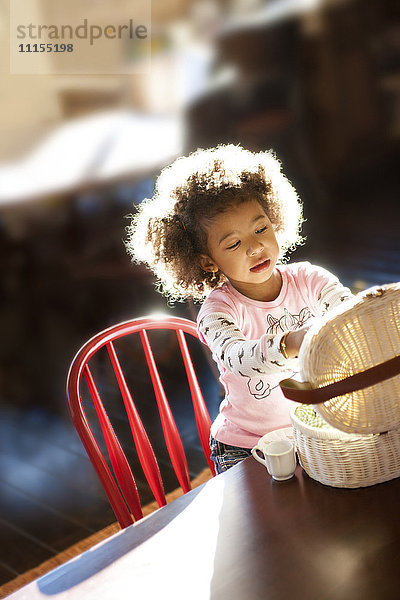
242	244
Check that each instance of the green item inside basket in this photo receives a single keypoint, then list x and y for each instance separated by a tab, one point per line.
309	416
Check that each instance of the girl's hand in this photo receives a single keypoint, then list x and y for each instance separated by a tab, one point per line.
294	339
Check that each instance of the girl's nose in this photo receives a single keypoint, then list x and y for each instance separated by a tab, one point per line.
254	248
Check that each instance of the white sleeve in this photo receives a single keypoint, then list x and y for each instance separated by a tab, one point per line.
243	357
332	295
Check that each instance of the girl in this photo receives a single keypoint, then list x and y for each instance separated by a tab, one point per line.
217	230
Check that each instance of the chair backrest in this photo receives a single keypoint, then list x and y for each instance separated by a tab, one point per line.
120	487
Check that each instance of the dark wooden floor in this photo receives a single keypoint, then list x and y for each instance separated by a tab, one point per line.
49	496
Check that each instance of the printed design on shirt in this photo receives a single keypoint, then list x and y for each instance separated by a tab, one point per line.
227	323
260	389
288	321
327	304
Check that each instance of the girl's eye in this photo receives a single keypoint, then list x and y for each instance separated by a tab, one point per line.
262	229
235	245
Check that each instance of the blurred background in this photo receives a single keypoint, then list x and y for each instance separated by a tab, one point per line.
316	80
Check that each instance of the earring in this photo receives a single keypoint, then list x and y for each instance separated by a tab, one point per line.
214	277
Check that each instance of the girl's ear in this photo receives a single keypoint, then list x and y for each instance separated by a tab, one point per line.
207	264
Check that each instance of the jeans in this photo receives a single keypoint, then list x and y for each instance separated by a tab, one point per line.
225	456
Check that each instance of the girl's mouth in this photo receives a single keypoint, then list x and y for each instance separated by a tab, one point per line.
261	266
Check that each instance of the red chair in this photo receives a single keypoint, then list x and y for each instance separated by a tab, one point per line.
120	487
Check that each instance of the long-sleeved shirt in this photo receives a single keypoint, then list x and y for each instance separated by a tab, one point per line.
244	336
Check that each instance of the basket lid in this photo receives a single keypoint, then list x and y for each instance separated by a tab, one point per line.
351	361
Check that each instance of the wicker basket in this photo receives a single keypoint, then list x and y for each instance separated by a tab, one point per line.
351	345
341	459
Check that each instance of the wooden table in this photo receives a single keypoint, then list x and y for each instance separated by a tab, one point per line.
243	536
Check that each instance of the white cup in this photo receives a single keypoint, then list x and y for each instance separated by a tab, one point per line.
279	457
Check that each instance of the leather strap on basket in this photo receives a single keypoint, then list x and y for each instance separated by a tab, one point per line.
303	392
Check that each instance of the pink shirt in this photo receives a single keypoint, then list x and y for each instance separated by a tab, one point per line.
244	336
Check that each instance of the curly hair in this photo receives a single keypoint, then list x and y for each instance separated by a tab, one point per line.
168	232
